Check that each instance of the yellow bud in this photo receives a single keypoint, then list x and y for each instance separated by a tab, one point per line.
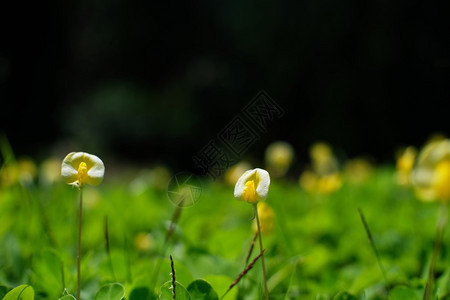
82	173
266	218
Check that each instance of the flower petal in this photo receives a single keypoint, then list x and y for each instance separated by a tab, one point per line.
240	184
68	171
97	170
262	188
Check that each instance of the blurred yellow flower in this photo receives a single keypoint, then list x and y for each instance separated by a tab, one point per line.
266	218
405	164
279	156
324	178
431	175
357	170
24	171
322	158
234	172
143	242
252	186
314	184
329	183
50	170
308	181
80	168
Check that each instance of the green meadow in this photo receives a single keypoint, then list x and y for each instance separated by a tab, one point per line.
318	248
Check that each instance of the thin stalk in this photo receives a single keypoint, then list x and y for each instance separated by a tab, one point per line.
63	280
266	290
249	254
173	278
250	250
372	244
108	249
243	273
173	223
442	220
80	218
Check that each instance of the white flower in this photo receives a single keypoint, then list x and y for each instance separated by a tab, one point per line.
252	186
431	175
80	168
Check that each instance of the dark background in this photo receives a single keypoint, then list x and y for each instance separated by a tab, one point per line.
157	81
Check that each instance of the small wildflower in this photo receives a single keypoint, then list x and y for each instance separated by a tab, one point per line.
405	164
266	218
80	168
323	160
431	175
324	177
329	183
252	186
308	181
279	156
21	171
358	170
143	242
324	185
234	172
50	170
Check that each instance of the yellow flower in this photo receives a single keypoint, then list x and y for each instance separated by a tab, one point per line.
358	170
279	156
405	164
252	186
143	241
323	160
266	218
24	171
431	176
50	170
329	183
80	168
308	181
233	173
324	185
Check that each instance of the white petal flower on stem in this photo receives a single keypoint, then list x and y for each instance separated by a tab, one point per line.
252	186
80	168
431	175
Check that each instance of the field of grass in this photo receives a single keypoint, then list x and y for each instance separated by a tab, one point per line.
318	249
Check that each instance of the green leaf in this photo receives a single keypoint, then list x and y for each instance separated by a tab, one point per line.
47	273
344	296
221	284
142	293
180	291
67	297
399	293
22	292
201	290
112	291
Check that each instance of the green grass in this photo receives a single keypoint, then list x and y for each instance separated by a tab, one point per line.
319	246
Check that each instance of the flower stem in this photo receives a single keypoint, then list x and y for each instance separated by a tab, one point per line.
372	244
266	291
80	216
436	248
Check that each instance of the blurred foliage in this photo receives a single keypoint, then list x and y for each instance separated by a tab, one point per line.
318	246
